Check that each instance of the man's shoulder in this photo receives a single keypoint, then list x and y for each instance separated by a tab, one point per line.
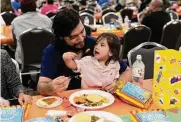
51	50
90	41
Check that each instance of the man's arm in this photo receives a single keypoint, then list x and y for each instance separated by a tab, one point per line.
44	86
47	86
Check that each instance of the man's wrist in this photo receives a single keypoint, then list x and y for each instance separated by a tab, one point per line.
49	88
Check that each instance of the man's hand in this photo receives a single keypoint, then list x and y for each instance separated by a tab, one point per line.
60	84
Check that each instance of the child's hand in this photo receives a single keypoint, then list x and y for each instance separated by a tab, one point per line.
110	87
69	56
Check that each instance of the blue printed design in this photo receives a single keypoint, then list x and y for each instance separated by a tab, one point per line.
136	92
153	116
42	119
11	114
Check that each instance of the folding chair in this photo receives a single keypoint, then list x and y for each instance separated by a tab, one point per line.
33	41
147	56
134	37
106	18
171	33
8	17
91	18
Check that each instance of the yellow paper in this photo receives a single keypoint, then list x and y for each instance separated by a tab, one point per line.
167	79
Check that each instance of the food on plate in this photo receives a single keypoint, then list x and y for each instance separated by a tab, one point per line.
80	100
86	117
82	117
94	97
91	100
49	101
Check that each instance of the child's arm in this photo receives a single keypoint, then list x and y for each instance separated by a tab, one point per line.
68	58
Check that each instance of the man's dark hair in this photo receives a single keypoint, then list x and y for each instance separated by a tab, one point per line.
114	44
28	6
65	21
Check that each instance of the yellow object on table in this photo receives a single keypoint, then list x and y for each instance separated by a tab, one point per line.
167	79
134	95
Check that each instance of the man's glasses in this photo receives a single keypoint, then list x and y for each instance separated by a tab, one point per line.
75	36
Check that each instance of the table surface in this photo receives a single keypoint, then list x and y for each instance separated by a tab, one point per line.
6	35
118	107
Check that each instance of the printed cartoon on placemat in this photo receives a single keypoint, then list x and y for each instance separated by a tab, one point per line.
167	78
11	114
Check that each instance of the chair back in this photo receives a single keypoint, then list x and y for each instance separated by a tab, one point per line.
147	56
89	11
8	17
134	37
178	44
50	14
107	18
127	12
107	10
173	14
91	18
16	64
33	42
171	33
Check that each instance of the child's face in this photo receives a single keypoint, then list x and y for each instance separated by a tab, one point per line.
101	50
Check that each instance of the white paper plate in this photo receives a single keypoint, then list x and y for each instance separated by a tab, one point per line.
98	92
44	105
101	114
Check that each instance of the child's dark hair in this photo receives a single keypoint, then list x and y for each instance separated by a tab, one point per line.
114	44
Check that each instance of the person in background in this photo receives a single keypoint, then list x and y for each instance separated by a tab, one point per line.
16	6
30	18
6	6
70	36
49	7
102	2
11	86
155	18
102	69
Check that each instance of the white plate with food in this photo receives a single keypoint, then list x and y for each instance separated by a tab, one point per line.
91	99
49	102
95	116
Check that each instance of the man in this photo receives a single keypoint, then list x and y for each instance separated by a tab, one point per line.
10	82
70	36
29	19
156	19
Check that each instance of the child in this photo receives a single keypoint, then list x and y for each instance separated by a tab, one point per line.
101	69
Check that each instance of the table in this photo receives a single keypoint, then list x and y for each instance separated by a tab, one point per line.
118	107
6	35
119	33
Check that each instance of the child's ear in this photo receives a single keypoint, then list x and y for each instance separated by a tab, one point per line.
110	54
